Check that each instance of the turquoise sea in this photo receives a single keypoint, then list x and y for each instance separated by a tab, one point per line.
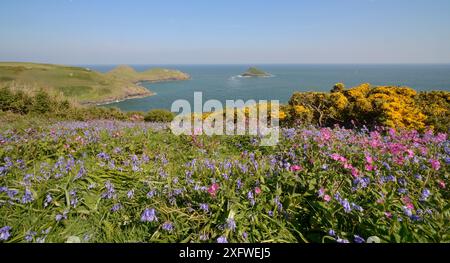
221	82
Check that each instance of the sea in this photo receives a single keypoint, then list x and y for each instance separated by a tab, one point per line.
223	82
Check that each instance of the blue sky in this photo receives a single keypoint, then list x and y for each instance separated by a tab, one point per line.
225	31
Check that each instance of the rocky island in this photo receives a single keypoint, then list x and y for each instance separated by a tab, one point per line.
84	85
255	72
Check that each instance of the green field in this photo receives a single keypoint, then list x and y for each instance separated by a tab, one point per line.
83	84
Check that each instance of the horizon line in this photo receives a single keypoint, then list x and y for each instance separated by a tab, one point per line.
233	64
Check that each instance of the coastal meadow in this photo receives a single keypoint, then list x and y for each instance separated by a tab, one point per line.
111	181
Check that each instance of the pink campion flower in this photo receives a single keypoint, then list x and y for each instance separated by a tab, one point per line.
441	184
423	150
327	198
408	203
380	201
325	133
296	168
335	156
410	153
370	167
257	190
410	206
355	172
392	132
441	137
347	166
213	189
435	164
369	159
388	214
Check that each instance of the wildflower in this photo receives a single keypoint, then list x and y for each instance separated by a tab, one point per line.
251	197
74	199
321	192
231	224
213	189
204	207
149	215
346	206
29	236
116	207
12	193
278	203
441	184
357	207
359	239
407	211
222	239
257	190
340	240
435	164
425	194
245	235
151	194
388	214
332	233
130	194
270	213
27	197
402	191
415	218
355	172
295	168
167	226
239	183
4	233
48	200
327	198
110	191
62	216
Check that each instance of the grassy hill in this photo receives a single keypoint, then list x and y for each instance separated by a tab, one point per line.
82	84
151	75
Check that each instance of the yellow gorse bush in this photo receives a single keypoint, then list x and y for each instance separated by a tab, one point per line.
395	107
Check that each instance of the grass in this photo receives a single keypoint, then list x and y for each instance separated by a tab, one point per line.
82	84
95	181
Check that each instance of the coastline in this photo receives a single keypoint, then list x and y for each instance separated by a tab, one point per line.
133	96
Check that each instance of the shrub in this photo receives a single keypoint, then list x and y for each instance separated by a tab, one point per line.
159	115
436	106
42	102
395	107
